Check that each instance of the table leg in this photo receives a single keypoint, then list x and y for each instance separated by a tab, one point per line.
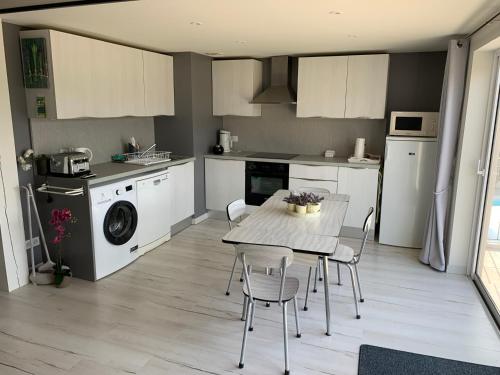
326	280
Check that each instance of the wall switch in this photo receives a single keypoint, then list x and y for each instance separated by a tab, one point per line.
36	242
234	138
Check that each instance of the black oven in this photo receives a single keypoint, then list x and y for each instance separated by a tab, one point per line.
263	179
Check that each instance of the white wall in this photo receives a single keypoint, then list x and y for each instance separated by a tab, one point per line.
474	122
13	260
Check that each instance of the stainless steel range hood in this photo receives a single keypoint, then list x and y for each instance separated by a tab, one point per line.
280	91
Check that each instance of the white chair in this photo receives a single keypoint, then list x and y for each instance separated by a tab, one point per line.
267	288
235	210
345	255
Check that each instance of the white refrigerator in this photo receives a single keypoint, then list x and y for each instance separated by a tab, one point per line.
407	190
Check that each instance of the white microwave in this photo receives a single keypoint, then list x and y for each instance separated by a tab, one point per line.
414	124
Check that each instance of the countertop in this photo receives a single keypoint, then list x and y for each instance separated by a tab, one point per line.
110	171
300	159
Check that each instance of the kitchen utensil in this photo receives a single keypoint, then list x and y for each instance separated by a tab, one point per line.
69	164
218	149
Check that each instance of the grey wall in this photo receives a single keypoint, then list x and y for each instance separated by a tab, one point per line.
193	129
103	136
20	120
415	81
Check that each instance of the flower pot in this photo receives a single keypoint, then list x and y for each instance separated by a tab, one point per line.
313	207
290	207
65	281
301	209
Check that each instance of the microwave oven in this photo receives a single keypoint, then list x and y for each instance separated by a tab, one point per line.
414	124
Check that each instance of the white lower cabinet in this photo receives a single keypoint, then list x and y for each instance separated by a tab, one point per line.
182	188
297	183
224	182
361	184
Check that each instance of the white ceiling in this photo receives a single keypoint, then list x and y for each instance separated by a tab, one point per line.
270	27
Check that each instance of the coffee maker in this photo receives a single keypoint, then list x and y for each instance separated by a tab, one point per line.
225	140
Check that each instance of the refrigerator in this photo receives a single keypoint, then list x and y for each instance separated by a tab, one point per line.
407	190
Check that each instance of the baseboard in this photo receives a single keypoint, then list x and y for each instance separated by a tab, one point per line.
143	250
181	225
199	219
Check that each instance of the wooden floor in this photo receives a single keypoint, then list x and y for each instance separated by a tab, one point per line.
167	314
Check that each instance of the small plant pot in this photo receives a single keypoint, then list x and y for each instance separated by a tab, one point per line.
301	209
312	208
290	207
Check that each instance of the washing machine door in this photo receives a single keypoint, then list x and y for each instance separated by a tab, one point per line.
120	222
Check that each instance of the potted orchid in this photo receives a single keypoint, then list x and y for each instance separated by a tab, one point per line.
59	219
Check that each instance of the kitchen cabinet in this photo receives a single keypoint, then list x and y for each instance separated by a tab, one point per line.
182	186
89	78
321	86
367	86
224	182
234	85
361	184
342	86
158	84
313	176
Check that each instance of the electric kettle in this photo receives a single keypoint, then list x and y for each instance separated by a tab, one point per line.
225	140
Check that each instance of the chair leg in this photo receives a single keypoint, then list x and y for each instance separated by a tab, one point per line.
307	290
315	289
252	314
361	299
268	272
241	276
245	332
285	338
244	312
231	277
297	322
320	278
353	280
339	281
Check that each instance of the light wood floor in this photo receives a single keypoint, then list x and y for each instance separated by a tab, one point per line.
167	314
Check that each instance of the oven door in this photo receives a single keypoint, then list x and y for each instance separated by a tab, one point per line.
262	183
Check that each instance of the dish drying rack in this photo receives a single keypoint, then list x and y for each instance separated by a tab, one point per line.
147	157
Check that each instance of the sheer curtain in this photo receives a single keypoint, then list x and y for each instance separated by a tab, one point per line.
433	252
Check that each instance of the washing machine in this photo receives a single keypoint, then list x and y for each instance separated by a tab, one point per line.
114	223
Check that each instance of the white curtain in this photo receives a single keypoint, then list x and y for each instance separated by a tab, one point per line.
433	252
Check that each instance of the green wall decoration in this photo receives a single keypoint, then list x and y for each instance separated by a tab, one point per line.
35	66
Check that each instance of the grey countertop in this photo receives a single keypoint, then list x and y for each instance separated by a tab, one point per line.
106	172
300	159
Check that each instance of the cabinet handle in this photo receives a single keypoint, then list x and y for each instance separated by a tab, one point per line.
156	182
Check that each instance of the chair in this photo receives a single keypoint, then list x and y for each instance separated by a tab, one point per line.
235	210
345	255
267	288
316	190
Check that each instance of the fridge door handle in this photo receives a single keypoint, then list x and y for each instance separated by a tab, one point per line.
480	171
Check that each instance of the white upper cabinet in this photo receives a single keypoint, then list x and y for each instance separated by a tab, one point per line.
158	84
367	86
235	83
321	86
97	79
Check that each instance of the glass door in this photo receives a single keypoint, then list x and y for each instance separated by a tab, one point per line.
487	266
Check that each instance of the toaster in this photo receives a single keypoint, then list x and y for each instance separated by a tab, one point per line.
69	164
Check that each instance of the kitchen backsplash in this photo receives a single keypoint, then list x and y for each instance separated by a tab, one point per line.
103	136
279	130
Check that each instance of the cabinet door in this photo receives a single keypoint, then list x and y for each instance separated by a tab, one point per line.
93	78
362	186
159	84
224	182
366	86
314	172
182	185
321	86
234	85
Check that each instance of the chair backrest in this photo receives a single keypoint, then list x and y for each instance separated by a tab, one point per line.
316	190
276	257
235	210
366	229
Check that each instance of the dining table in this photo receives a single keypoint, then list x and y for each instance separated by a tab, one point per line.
314	235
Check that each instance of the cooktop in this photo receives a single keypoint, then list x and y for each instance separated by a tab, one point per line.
272	155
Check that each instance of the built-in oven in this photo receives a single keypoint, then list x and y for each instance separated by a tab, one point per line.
263	179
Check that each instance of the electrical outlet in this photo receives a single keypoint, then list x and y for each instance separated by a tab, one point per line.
36	242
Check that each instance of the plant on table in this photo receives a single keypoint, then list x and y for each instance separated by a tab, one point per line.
314	202
291	200
58	220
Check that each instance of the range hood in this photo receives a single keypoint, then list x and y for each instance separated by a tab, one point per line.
280	91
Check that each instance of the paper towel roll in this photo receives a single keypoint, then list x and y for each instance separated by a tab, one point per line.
359	149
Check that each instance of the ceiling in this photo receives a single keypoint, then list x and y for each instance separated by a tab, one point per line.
262	28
